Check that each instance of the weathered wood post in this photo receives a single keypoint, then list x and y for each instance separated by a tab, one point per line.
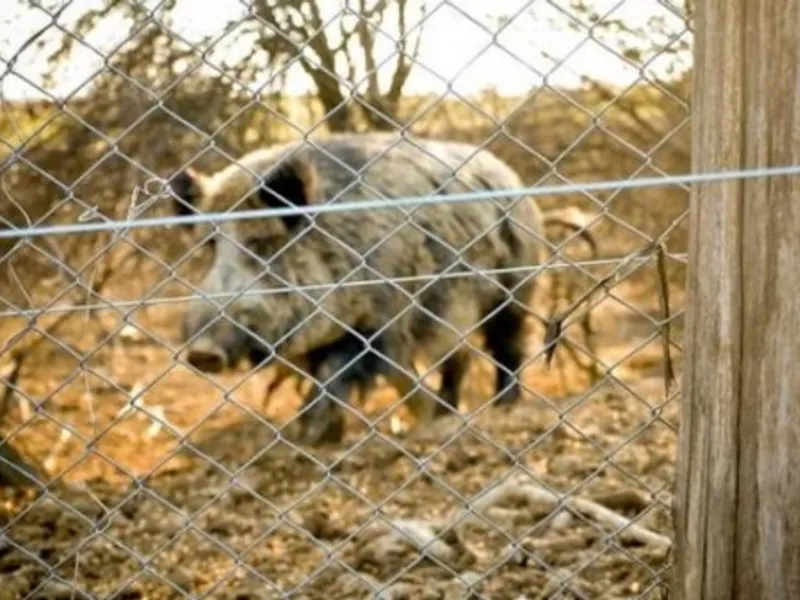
737	503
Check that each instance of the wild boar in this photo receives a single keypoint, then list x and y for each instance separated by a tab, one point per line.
297	284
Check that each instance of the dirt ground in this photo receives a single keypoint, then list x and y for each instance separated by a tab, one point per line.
194	493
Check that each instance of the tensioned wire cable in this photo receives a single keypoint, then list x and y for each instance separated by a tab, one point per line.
409	201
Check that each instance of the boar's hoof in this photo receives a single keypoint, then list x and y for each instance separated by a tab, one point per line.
508	397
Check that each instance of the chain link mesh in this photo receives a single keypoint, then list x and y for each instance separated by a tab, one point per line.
128	471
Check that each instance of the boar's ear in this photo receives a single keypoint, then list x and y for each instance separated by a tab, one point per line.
187	187
294	182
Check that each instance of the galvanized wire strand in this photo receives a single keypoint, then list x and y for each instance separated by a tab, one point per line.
114	304
455	198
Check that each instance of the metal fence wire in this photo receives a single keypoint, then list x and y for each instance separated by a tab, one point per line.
341	299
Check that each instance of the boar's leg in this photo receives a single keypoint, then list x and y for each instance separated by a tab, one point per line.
504	333
454	370
340	367
284	372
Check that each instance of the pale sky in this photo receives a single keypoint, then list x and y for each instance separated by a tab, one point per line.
453	46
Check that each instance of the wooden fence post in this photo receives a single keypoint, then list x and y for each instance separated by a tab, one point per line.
737	502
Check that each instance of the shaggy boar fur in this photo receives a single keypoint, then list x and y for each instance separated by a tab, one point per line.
351	365
320	252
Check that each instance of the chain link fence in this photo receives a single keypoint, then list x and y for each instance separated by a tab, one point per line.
441	394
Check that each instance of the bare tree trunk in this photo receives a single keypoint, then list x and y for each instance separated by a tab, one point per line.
338	116
382	116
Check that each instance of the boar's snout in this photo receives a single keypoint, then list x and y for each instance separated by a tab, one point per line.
207	356
217	343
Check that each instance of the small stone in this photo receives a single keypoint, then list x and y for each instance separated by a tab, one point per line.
561	521
472	582
129	333
564	465
514	556
471	578
56	590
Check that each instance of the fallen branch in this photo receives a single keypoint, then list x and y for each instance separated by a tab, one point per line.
663	299
573	218
556	323
381	541
624	527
